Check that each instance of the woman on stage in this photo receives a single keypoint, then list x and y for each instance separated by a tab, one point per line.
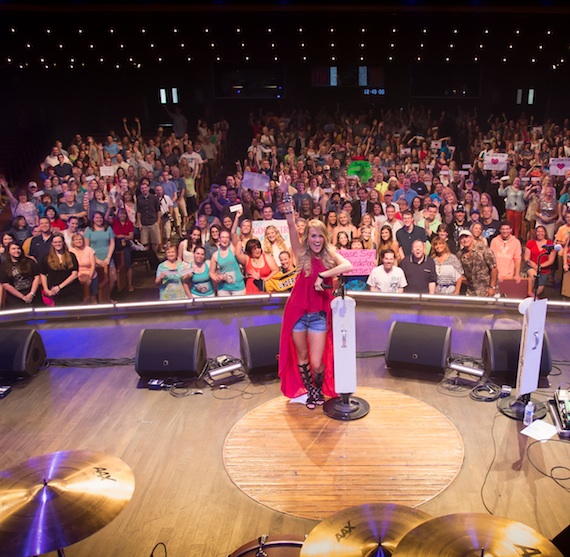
306	351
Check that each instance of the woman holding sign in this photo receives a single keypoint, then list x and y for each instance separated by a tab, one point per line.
306	352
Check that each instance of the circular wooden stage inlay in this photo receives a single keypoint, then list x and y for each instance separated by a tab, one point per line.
303	463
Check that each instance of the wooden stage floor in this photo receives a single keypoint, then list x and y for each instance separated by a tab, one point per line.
184	496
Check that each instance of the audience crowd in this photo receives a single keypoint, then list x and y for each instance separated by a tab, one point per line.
420	203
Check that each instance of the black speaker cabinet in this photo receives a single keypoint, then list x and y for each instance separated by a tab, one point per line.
500	353
259	348
416	347
562	541
22	353
170	353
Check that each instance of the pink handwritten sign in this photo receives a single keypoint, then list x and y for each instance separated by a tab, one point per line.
363	260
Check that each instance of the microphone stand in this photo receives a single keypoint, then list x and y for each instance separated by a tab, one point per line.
538	272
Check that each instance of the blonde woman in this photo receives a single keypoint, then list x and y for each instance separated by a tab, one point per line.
273	242
307	315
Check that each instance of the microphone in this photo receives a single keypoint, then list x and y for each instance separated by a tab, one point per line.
550	247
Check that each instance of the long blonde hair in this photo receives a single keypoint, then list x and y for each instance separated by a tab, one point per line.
306	254
268	246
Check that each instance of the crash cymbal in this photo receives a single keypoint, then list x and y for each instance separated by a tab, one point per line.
55	500
473	534
361	531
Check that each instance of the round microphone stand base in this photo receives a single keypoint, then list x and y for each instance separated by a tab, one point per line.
513	408
346	407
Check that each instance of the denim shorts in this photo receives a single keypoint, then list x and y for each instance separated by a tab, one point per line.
312	322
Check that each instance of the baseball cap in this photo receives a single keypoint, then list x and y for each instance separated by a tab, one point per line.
465	233
326	167
460	209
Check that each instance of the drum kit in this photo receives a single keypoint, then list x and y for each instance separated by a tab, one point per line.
382	530
52	501
55	500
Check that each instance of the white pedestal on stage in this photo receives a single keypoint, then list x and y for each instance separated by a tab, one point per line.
345	407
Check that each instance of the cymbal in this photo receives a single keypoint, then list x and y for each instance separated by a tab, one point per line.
359	531
55	500
472	534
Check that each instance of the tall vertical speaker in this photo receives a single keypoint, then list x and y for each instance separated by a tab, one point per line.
259	348
22	353
500	353
417	347
170	353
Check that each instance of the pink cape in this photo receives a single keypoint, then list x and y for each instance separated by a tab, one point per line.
302	297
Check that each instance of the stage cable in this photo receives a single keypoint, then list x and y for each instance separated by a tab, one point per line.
89	362
491	464
557	479
159	544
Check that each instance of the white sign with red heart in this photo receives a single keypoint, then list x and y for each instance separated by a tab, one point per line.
559	166
496	161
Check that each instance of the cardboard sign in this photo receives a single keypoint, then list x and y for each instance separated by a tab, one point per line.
106	171
258	228
363	260
254	181
496	161
559	166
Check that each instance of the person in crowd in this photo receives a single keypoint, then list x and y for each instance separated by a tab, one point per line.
259	266
172	277
455	227
387	241
225	271
534	250
212	244
447	267
148	217
419	270
21	204
514	204
87	274
490	225
387	277
479	240
548	211
408	234
70	207
59	271
201	283
41	244
344	225
342	241
124	231
479	267
57	224
19	279
306	358
20	230
188	245
101	238
487	201
508	254
273	242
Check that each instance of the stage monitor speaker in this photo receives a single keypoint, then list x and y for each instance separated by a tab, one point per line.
170	353
417	347
259	349
500	353
22	354
562	541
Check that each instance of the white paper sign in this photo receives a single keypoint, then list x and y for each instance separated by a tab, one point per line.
435	145
106	171
258	228
254	181
496	161
559	166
